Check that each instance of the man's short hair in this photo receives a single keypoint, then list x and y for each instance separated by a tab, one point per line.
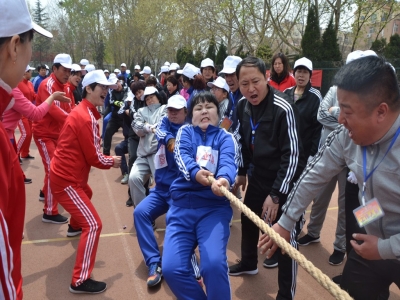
39	67
373	79
252	61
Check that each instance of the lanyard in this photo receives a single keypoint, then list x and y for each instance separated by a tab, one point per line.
253	130
367	176
233	105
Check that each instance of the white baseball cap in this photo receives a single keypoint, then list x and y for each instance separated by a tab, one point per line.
123	65
76	67
106	71
150	90
230	64
84	62
146	70
130	96
16	19
167	64
207	62
358	54
189	70
174	67
90	68
303	62
64	59
98	77
219	82
177	102
29	68
47	67
113	78
164	69
117	71
137	67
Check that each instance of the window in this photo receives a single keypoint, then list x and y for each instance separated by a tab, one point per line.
384	17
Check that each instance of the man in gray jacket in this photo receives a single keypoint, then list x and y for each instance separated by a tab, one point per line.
369	101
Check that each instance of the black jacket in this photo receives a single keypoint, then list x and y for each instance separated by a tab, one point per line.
310	128
278	153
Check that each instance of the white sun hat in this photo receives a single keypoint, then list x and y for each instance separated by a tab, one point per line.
219	82
98	77
64	59
230	64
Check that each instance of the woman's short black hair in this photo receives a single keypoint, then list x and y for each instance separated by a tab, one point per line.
138	85
286	66
172	79
92	87
159	97
203	97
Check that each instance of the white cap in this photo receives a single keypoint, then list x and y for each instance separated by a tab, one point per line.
219	82
123	65
84	62
76	67
137	67
303	62
117	71
128	71
207	62
29	68
164	69
174	67
150	90
358	54
90	68
230	64
113	78
189	70
98	77
16	19
64	59
146	70
167	64
130	96
177	102
106	71
47	67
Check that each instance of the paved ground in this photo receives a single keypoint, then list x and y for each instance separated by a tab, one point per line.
48	255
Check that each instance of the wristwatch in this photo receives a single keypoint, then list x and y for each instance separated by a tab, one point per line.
275	199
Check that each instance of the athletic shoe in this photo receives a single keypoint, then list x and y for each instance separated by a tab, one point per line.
28	157
56	219
89	286
73	232
307	239
271	262
27	180
337	257
129	202
125	179
240	269
155	275
41	196
337	279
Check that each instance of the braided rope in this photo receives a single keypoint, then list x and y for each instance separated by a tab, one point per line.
320	277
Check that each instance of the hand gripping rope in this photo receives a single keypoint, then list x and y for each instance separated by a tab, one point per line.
320	277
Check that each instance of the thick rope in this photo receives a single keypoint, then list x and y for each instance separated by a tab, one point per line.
322	279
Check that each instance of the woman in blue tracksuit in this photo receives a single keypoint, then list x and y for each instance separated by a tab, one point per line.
199	214
157	203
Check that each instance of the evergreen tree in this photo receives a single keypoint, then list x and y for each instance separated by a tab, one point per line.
198	57
392	50
311	41
41	45
221	54
100	53
330	48
211	49
240	52
184	55
264	52
379	46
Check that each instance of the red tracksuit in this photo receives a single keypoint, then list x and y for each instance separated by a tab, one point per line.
69	91
25	125
12	210
78	149
46	132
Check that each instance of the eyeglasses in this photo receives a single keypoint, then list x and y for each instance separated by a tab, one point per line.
103	87
214	88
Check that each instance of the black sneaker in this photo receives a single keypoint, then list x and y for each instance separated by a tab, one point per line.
337	279
307	239
89	286
56	219
27	180
73	232
271	262
240	269
129	202
337	257
28	157
41	196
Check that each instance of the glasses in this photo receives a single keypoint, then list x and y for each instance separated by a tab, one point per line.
103	87
214	88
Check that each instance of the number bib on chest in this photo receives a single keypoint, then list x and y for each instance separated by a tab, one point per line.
160	160
207	158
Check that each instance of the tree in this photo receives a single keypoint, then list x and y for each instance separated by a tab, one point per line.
264	52
41	45
211	49
240	52
379	46
184	55
311	41
198	57
392	50
330	47
221	54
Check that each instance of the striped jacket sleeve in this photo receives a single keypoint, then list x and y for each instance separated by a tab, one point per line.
327	119
289	146
163	134
7	286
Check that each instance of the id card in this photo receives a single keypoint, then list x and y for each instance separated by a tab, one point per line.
207	157
226	123
369	213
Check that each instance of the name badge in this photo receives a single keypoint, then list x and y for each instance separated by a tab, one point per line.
369	213
160	160
207	158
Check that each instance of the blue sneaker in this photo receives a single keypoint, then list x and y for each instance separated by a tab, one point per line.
155	275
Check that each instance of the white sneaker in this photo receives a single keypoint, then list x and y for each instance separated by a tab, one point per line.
125	179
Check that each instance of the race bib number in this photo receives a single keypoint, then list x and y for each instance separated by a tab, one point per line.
369	213
207	158
160	160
